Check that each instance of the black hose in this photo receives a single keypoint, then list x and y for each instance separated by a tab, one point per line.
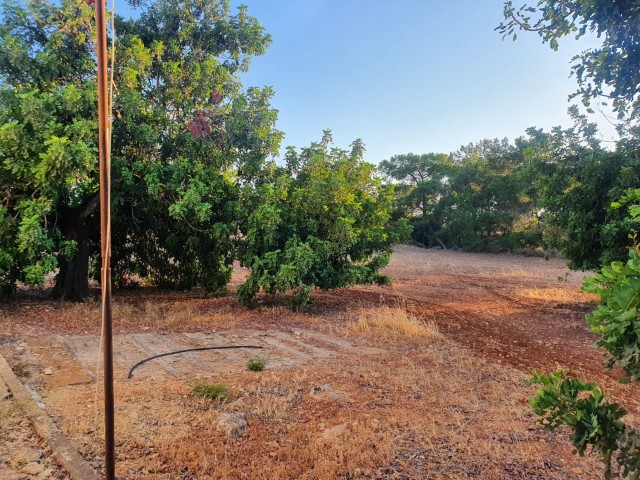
198	349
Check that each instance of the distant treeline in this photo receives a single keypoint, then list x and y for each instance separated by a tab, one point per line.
547	191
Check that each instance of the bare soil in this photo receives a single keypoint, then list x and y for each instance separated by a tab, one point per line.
22	454
420	380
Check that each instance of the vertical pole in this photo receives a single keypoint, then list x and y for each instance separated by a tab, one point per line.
104	141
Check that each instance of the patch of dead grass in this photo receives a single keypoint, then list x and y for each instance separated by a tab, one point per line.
556	294
431	410
387	322
147	315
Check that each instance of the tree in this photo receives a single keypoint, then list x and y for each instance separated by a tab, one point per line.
322	221
47	141
419	181
472	199
487	197
185	140
611	70
573	181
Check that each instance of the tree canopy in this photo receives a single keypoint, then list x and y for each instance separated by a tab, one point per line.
186	137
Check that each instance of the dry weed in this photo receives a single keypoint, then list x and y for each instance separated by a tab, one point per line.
387	322
19	458
555	294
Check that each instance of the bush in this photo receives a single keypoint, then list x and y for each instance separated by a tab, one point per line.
322	222
256	364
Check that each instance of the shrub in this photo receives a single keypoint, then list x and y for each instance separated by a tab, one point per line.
323	221
256	364
580	405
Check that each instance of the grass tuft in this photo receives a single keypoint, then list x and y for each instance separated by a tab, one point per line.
256	364
216	392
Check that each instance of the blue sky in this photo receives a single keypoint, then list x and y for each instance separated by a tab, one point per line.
408	75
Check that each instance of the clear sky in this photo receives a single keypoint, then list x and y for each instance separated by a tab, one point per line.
408	75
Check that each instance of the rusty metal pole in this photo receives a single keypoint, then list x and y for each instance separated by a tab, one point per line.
104	143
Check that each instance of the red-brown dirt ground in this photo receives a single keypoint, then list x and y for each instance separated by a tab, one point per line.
422	379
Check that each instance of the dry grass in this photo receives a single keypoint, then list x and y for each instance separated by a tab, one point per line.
435	411
387	322
556	294
516	271
147	315
422	406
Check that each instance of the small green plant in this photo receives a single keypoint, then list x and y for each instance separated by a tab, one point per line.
256	364
216	392
597	424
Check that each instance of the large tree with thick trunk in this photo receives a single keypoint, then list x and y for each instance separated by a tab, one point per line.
186	137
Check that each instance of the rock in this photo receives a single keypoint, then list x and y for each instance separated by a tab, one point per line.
297	333
20	350
46	474
48	371
334	432
320	388
324	392
33	468
233	424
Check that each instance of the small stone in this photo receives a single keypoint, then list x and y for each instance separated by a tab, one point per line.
45	474
48	371
20	349
233	424
297	333
320	388
334	432
33	468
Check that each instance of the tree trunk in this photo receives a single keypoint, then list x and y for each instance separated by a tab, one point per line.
72	281
425	237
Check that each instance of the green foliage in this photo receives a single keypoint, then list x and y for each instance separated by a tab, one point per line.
569	401
419	184
217	392
47	134
595	424
573	180
472	199
322	221
616	319
186	137
256	364
610	69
